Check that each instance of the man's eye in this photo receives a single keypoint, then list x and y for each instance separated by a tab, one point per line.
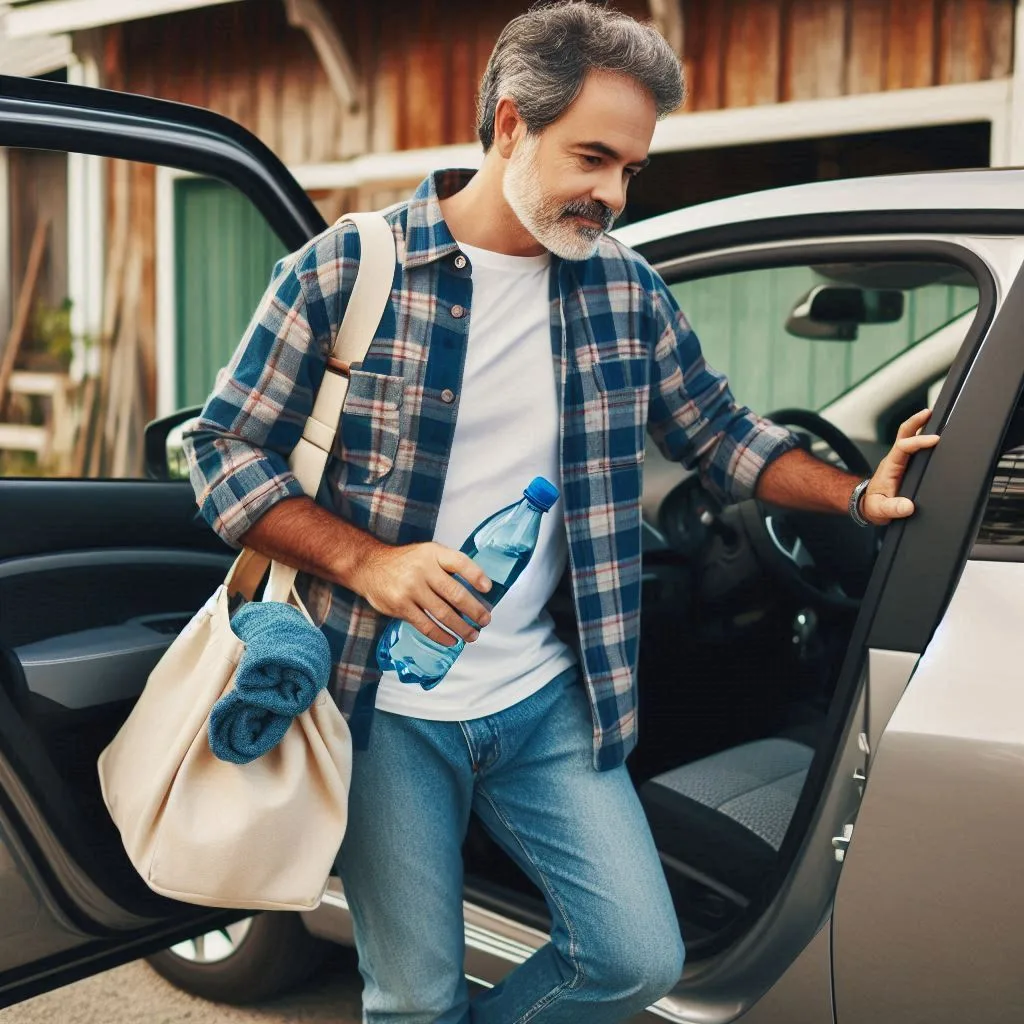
591	161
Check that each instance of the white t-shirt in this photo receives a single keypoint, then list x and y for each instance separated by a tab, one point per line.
506	433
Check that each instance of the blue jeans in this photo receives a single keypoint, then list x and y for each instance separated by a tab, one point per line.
579	834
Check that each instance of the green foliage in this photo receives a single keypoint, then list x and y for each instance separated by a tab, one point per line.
51	334
20	464
51	328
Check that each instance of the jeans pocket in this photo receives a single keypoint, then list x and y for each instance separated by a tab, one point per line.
371	422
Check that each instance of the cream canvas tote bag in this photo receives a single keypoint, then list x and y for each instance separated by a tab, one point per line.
262	835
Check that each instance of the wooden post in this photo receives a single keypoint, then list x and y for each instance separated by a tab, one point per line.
112	310
22	310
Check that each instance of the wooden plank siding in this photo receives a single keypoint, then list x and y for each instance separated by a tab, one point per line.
420	61
753	52
814	47
865	47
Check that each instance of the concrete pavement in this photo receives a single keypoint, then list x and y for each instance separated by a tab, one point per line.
136	994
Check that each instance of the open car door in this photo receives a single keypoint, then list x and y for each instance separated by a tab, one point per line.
100	563
926	919
745	269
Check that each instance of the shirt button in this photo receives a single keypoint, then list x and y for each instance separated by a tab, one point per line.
448	396
458	311
460	261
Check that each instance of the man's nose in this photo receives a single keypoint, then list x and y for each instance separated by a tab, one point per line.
611	191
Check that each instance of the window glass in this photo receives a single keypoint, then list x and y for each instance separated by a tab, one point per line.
125	287
1003	521
780	335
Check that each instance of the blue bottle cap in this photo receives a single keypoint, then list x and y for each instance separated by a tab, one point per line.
542	493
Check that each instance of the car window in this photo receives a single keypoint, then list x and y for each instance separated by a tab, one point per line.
804	335
1003	521
104	336
934	391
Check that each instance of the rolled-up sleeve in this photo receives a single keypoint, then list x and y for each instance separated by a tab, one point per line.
693	417
237	452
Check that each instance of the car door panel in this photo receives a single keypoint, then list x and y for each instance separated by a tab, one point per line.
803	995
895	615
90	667
41	516
927	908
950	499
89	645
96	578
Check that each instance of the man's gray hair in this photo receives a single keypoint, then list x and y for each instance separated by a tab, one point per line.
542	58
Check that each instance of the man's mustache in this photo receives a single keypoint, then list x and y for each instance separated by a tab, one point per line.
597	212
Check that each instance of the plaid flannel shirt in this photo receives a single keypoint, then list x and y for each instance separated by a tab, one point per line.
627	362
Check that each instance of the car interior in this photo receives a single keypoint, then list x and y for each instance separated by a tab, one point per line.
747	610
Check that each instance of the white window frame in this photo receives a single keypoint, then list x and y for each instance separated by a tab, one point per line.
990	101
1015	129
87	237
166	283
75	15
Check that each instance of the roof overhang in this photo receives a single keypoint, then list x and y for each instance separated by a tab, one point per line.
52	16
37	56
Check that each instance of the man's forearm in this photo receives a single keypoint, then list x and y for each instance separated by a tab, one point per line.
797	479
302	534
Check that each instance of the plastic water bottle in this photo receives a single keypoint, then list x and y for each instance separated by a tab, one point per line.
502	546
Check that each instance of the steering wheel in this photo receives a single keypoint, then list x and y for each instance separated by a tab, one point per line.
853	458
824	558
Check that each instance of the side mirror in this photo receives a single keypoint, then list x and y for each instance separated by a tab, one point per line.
834	312
165	459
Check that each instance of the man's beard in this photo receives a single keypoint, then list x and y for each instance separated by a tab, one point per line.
548	219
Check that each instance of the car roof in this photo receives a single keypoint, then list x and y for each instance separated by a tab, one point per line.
984	189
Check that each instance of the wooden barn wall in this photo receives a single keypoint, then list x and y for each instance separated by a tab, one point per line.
747	52
421	60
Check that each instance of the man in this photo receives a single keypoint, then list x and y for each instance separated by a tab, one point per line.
520	340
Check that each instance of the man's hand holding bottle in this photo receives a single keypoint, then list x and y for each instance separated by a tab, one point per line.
407	582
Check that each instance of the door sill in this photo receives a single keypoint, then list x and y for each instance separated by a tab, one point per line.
494	943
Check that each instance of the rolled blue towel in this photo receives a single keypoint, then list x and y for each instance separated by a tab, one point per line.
286	663
240	733
287	660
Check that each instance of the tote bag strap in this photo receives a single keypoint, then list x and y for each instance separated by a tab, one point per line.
370	295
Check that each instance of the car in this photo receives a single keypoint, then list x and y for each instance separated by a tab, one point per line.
830	718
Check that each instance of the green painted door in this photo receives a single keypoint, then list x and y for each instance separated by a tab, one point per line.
224	255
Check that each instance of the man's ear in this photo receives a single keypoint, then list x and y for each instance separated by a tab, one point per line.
509	127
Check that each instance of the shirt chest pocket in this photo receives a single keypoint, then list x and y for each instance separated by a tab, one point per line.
371	420
621	373
618	408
